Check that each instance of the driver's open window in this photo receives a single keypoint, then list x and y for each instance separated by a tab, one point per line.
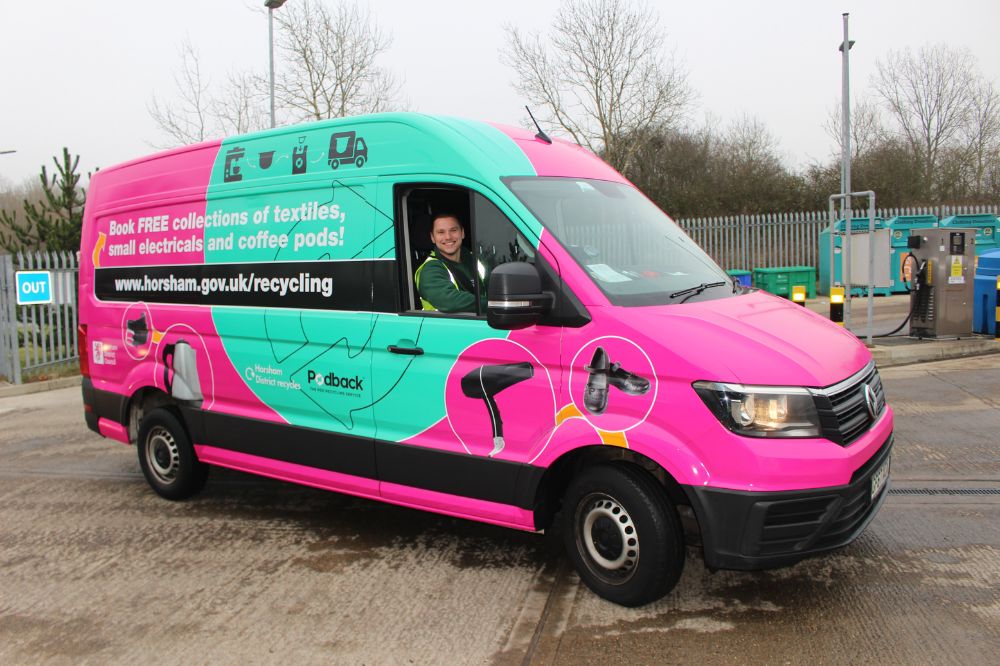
490	240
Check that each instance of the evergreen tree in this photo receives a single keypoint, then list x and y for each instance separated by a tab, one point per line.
54	223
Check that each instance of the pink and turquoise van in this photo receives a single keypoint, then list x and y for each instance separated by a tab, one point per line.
251	304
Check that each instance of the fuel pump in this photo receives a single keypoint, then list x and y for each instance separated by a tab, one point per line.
942	285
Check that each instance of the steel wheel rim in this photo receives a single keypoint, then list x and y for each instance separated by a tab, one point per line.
608	538
162	455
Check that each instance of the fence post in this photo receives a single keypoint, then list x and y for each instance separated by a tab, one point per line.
8	320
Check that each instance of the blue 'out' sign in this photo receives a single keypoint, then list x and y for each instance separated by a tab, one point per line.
34	287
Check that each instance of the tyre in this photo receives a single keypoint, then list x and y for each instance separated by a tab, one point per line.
167	457
622	534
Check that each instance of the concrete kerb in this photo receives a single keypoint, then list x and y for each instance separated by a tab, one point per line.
888	312
12	390
924	351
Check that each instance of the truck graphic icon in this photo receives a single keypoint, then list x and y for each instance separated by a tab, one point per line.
347	147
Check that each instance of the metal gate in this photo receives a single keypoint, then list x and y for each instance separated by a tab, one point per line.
38	338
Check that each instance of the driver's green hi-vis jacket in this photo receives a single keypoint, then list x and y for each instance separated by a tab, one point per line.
445	285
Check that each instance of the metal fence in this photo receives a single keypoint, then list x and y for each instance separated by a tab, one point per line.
35	338
746	242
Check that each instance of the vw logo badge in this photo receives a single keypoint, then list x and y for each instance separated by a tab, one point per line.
870	400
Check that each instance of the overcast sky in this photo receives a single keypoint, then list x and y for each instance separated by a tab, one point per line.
80	74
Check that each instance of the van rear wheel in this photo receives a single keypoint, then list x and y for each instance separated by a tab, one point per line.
167	457
622	534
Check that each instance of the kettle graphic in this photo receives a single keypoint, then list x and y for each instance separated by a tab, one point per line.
183	382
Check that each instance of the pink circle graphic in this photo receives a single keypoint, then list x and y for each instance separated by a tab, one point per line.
613	383
500	401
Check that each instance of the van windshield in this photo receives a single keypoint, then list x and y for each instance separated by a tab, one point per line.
629	247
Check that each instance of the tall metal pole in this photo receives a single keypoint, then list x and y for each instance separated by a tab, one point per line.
845	184
270	54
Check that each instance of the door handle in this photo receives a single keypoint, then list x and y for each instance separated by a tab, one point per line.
408	351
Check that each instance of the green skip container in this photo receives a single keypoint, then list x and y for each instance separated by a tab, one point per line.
780	280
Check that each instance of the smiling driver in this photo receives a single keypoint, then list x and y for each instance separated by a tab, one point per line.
446	279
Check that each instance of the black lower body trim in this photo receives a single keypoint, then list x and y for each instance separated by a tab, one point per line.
91	416
98	404
320	449
761	530
458	474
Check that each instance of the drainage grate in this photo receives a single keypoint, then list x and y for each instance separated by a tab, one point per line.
944	491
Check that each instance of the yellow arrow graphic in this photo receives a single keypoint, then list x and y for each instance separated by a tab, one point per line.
101	241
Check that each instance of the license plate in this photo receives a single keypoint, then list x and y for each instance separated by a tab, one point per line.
879	478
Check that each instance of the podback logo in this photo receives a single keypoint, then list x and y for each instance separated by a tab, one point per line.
332	380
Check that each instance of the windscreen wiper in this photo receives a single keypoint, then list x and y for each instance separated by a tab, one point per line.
693	291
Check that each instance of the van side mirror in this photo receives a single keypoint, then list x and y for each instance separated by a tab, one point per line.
515	299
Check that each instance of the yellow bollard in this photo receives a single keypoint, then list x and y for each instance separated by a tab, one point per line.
799	295
837	305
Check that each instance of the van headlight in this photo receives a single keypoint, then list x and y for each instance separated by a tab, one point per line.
762	411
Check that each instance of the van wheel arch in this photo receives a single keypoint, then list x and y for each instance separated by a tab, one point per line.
556	479
166	455
142	402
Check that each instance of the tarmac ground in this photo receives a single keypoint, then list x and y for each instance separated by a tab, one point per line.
95	568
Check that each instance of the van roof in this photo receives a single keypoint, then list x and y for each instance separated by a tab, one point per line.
385	144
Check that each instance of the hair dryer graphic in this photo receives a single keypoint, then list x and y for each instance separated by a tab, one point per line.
486	381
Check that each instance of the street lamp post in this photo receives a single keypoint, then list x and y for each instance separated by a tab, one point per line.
271	6
846	207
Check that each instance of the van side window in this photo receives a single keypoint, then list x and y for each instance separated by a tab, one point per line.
496	240
490	240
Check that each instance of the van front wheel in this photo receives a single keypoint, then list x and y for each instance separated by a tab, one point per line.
622	534
167	457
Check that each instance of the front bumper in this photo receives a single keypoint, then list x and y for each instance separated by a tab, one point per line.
760	530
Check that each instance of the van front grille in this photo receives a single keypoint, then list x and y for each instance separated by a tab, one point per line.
844	410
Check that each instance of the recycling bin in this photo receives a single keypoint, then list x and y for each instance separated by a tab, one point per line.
744	278
780	280
984	293
986	226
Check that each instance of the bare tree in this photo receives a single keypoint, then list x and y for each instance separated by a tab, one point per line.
929	94
186	119
330	71
749	143
752	177
867	131
604	80
243	106
334	52
981	137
